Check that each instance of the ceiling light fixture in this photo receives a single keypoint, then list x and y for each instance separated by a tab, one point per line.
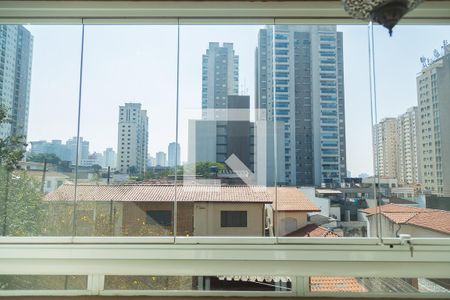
384	12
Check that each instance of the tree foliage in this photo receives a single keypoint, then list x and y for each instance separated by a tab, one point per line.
41	157
12	148
205	169
20	200
22	211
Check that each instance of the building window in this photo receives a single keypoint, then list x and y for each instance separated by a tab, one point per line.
159	217
233	218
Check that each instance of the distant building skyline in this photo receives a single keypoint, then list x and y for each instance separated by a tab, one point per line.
390	52
64	151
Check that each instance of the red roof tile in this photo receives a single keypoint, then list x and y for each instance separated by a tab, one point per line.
159	193
288	198
433	219
312	230
292	199
335	284
390	208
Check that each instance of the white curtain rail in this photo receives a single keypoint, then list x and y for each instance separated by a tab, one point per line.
198	12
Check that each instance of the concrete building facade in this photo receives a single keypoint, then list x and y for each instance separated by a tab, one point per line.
16	50
385	148
132	146
408	169
220	77
433	95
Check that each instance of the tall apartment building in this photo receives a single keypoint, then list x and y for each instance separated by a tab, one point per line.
220	77
300	83
132	143
385	148
408	168
161	159
16	48
433	95
173	152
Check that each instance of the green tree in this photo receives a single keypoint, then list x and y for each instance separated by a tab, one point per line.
19	194
205	169
41	157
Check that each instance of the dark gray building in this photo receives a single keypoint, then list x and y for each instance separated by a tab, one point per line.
16	48
230	133
300	84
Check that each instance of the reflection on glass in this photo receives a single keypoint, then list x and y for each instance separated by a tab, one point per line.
43	282
128	117
227	150
248	135
38	110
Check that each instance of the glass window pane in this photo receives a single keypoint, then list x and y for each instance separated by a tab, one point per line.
42	282
125	172
227	144
322	107
39	81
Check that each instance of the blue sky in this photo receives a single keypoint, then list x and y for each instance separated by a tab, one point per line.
138	64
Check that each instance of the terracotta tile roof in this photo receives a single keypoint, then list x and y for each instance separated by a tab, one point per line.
399	217
392	208
433	219
159	193
312	230
335	284
438	220
292	199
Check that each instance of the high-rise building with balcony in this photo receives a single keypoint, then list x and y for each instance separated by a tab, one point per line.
408	169
385	148
16	48
173	152
300	84
220	77
132	143
433	95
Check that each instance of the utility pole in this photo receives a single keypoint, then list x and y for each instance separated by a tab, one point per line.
43	175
